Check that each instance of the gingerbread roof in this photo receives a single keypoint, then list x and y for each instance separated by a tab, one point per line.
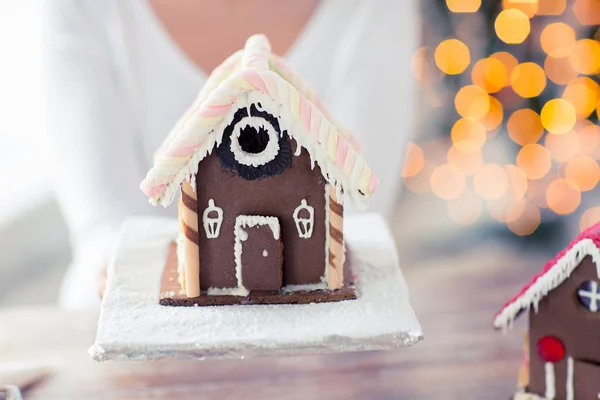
256	70
555	272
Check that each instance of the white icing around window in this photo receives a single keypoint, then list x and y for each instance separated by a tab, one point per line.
588	294
304	225
212	224
258	125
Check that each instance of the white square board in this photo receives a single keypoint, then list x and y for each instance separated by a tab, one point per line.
134	326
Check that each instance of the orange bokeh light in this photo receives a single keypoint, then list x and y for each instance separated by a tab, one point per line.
463	6
472	102
469	163
525	127
517	179
419	183
414	161
447	181
562	197
551	7
590	217
563	147
527	222
512	26
558	116
506	209
529	7
583	93
585	56
493	119
528	80
583	172
589	139
559	70
557	39
489	74
452	56
465	209
534	160
490	181
509	62
468	135
587	12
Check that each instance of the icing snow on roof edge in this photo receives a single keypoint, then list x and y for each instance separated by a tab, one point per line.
200	130
555	272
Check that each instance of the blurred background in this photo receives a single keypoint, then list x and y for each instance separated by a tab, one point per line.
507	140
504	148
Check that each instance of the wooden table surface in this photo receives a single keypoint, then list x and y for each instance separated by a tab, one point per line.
462	357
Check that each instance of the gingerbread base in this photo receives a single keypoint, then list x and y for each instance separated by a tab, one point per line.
170	289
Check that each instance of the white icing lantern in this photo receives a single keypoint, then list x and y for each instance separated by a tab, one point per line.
212	225
304	225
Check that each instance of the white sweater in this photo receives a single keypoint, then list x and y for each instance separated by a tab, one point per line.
116	82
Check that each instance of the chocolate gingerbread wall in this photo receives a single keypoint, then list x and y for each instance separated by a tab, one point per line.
304	260
560	315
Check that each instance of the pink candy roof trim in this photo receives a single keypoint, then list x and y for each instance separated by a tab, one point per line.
592	233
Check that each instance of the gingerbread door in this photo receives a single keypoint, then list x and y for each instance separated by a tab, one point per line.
261	256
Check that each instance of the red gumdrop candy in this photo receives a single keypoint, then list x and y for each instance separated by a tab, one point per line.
550	349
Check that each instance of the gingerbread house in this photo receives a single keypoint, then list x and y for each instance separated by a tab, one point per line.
262	169
563	346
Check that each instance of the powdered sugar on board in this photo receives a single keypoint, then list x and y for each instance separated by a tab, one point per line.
134	326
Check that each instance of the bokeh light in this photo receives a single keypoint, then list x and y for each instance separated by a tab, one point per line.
557	39
494	117
534	160
558	116
589	217
562	197
585	56
468	135
559	70
414	160
583	94
517	179
551	7
465	209
419	183
452	56
506	209
509	61
447	181
589	139
463	6
512	26
469	163
489	74
582	172
536	189
527	222
490	181
528	80
525	127
587	12
529	7
471	101
563	147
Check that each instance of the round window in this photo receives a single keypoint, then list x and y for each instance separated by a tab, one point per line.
253	145
588	295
